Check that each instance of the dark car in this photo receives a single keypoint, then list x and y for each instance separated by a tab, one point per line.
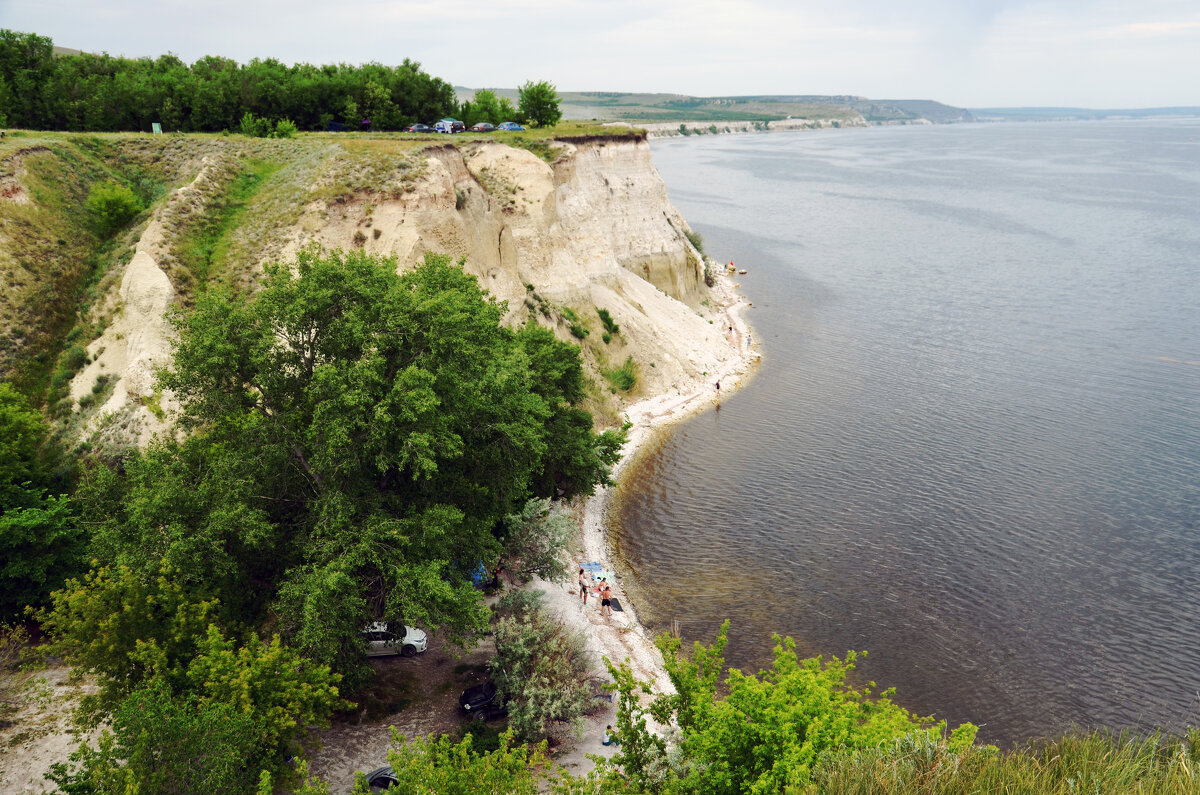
480	701
382	779
483	126
449	125
421	128
510	125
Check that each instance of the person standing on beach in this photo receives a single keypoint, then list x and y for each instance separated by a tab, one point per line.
605	599
583	586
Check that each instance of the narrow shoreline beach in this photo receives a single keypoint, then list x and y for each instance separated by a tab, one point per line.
621	637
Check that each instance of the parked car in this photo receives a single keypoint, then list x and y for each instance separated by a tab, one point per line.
510	125
420	128
383	638
483	126
450	126
480	701
382	779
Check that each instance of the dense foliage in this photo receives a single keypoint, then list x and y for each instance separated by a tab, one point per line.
749	734
39	90
112	206
540	668
539	103
448	768
359	443
486	107
40	541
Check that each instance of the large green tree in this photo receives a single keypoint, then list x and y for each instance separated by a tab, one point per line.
387	422
538	103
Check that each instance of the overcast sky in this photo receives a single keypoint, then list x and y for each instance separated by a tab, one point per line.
972	53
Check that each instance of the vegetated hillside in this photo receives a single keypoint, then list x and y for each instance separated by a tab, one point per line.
665	108
557	228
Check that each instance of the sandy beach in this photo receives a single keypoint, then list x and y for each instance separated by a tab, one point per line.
621	636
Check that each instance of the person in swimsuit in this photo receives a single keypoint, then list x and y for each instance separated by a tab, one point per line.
606	599
583	586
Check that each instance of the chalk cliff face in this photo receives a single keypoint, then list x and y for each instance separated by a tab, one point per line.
594	229
591	229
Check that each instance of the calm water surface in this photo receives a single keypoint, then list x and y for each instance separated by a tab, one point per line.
973	447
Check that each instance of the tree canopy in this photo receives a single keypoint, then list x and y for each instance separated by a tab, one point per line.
40	541
357	439
539	103
41	90
358	443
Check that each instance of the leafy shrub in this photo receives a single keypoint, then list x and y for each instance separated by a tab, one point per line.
75	359
537	541
578	330
112	207
254	126
606	337
695	239
624	377
537	668
285	128
443	765
605	318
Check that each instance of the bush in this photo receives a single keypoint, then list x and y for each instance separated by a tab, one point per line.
285	128
624	377
254	126
537	542
578	330
112	207
606	319
537	668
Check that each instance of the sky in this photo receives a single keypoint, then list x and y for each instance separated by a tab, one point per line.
969	53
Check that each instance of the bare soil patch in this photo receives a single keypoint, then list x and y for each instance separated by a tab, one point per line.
416	695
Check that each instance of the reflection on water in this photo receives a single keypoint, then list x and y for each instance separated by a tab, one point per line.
974	443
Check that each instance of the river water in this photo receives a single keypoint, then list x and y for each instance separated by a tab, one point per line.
973	446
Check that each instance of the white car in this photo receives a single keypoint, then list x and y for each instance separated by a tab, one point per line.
383	638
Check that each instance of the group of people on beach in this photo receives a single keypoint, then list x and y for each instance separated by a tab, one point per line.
603	588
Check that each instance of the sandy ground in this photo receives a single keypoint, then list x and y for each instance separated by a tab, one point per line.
621	637
41	733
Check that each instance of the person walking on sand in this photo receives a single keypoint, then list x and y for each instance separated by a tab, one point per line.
583	586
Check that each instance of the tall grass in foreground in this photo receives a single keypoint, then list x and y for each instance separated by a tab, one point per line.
624	377
1098	763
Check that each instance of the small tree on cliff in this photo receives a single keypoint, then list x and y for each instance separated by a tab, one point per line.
539	103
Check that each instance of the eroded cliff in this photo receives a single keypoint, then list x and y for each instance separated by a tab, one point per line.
558	229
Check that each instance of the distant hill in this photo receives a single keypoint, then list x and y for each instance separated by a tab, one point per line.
660	108
1079	114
